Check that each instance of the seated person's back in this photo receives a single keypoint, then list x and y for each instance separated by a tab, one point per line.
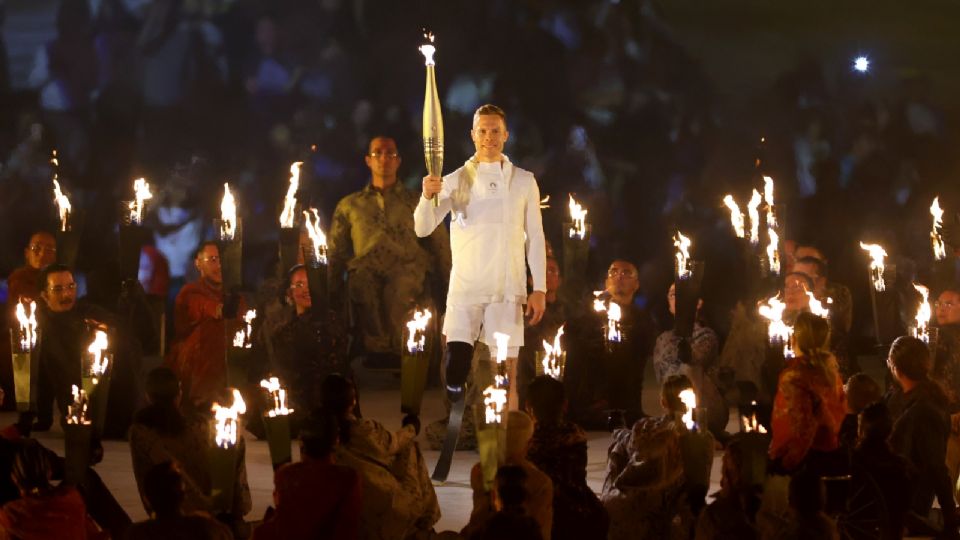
164	490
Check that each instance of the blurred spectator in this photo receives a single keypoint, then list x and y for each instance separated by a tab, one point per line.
165	491
882	466
511	521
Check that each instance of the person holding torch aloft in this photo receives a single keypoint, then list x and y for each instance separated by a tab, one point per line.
496	232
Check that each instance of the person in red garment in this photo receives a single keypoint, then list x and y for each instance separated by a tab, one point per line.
315	498
197	354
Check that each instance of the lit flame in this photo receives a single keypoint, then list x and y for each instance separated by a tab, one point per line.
778	332
141	192
290	201
428	49
753	209
63	205
613	323
243	339
736	216
939	248
28	326
682	243
545	203
924	312
578	216
877	253
553	357
227	420
77	411
503	343
817	307
317	237
99	361
768	200
750	424
773	252
417	331
494	401
598	304
688	398
228	214
279	396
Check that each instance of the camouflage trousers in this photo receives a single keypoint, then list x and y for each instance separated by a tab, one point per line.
383	299
482	370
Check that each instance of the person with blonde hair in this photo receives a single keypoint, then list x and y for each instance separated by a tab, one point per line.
810	404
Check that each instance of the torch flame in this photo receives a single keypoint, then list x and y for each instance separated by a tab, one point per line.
768	199
753	209
63	204
598	304
578	216
777	330
552	362
279	396
613	323
77	411
316	236
428	49
141	192
503	343
773	252
939	249
228	420
98	366
689	398
924	312
28	326
243	339
290	201
877	253
228	214
416	331
736	216
682	243
545	203
494	401
817	307
750	424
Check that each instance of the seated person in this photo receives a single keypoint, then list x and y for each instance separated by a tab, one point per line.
538	487
876	459
44	511
164	489
398	496
644	490
861	390
732	514
372	239
807	519
315	498
161	433
511	521
810	403
601	379
698	362
559	449
921	427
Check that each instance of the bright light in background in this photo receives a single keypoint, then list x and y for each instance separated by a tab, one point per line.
861	64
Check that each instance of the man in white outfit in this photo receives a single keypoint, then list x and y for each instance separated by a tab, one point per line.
495	233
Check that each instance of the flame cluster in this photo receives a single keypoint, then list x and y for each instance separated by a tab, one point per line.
939	248
778	331
278	395
877	267
817	307
290	200
78	410
243	339
141	192
494	401
553	359
317	237
682	243
428	49
924	313
750	423
227	420
578	217
27	320
689	398
614	313
99	361
738	221
417	331
228	214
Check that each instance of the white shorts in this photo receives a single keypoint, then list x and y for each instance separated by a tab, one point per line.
468	323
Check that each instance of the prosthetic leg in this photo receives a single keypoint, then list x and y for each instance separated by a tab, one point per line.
457	360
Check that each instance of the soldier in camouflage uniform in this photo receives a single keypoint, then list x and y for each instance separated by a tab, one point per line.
372	239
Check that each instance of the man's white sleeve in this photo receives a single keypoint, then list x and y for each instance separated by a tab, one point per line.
426	217
536	243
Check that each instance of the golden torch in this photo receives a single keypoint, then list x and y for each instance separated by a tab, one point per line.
432	116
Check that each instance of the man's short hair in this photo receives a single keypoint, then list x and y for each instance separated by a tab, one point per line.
861	391
319	434
813	261
203	245
546	397
801	245
45	272
490	109
43	232
952	288
910	357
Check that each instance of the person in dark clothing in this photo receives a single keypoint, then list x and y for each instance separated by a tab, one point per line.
559	449
874	459
510	522
861	391
164	488
534	335
602	377
921	428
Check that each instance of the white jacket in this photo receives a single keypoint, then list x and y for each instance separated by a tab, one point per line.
495	231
